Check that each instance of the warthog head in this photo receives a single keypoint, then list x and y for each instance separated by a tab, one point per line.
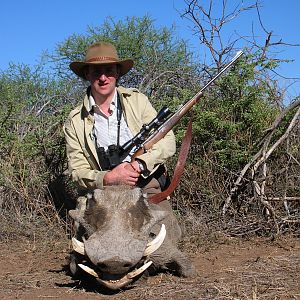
118	238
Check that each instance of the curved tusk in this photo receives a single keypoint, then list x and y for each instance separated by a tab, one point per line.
139	271
116	284
78	246
88	270
157	242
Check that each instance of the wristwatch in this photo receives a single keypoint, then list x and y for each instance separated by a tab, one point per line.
141	165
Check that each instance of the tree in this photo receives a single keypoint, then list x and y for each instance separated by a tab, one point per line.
37	100
245	125
163	65
232	122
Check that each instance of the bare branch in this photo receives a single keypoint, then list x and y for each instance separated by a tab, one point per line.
261	157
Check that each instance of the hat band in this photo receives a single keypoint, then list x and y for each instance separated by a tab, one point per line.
102	58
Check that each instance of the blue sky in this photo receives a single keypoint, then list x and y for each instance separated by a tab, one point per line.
28	27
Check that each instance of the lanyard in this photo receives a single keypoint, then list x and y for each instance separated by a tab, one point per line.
119	117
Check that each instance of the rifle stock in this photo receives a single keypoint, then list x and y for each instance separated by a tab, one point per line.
161	132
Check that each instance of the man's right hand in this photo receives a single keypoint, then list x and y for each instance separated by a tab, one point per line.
124	173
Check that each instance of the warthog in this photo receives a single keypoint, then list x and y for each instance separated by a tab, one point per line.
124	235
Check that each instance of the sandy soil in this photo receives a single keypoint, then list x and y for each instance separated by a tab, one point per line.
235	269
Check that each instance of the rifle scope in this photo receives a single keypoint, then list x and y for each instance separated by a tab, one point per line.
140	137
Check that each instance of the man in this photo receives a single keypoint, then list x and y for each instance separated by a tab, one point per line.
111	115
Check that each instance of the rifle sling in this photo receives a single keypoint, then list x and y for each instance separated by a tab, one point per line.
184	149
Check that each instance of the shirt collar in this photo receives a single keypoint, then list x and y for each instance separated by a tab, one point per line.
93	107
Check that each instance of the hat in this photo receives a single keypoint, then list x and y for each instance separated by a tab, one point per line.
99	54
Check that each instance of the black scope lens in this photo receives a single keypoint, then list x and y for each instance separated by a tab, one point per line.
163	113
161	116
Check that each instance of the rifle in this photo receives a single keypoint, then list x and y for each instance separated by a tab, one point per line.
154	131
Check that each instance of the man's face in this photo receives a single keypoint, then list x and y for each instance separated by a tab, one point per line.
103	79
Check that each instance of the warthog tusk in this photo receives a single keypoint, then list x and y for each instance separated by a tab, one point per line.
117	284
78	246
156	243
139	271
88	270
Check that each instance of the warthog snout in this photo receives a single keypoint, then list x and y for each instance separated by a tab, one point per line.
115	265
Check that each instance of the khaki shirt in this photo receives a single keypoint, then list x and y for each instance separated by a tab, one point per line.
83	163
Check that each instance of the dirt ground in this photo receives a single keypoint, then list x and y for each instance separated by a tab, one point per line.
232	269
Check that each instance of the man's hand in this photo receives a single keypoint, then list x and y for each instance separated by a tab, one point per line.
125	173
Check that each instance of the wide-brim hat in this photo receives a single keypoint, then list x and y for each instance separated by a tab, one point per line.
101	53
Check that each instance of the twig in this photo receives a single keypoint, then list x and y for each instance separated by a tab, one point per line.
262	155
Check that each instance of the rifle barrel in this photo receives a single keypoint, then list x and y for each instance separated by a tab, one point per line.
174	118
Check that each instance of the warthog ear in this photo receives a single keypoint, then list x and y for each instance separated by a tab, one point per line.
96	194
93	197
89	195
156	212
76	215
